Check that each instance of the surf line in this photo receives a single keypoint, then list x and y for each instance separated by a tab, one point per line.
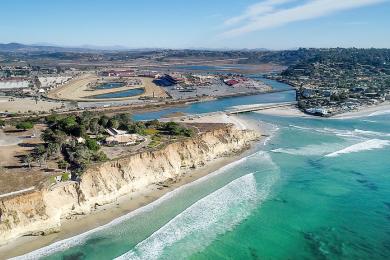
78	239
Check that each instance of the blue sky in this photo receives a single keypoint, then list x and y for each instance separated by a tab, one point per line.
273	24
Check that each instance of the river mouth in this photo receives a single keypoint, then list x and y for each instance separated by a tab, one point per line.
119	94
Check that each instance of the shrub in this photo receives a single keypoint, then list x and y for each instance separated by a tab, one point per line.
65	177
92	144
151	131
100	157
24	125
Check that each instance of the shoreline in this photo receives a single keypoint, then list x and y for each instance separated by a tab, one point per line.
124	205
382	108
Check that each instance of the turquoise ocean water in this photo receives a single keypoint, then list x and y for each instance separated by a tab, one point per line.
315	189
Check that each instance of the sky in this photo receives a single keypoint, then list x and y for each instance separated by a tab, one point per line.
233	24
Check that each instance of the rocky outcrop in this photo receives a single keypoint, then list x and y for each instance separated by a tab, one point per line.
41	212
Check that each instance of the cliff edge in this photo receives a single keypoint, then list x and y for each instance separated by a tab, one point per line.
41	212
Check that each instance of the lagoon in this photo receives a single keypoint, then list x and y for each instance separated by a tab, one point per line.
120	94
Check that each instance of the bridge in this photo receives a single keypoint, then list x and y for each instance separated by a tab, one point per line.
257	107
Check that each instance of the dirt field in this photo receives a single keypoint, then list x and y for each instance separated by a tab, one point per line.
24	105
14	174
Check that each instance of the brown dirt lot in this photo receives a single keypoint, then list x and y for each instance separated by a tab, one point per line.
14	175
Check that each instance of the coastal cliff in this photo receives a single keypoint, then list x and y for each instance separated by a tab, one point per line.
41	212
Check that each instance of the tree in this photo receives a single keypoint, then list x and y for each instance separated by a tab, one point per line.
136	128
94	126
124	120
78	131
40	154
56	136
53	118
68	123
82	156
187	132
2	123
174	128
113	123
92	144
63	165
37	83
24	125
53	149
47	135
103	121
42	159
100	157
85	118
153	124
28	159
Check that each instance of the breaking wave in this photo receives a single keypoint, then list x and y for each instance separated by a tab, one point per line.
79	239
371	133
356	133
314	149
363	146
197	226
380	113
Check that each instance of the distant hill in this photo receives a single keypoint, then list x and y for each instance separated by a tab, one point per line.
46	47
19	47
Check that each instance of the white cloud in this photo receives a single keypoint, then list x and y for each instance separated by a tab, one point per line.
264	15
261	8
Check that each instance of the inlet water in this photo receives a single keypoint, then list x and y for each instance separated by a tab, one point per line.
120	94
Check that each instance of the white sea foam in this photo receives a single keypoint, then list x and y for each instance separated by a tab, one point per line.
356	133
201	223
370	121
76	240
313	149
380	113
363	146
371	133
332	131
271	130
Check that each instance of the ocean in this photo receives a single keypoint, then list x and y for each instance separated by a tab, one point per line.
315	189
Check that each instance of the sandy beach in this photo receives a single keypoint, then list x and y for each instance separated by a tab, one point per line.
286	111
383	108
126	204
283	111
216	117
